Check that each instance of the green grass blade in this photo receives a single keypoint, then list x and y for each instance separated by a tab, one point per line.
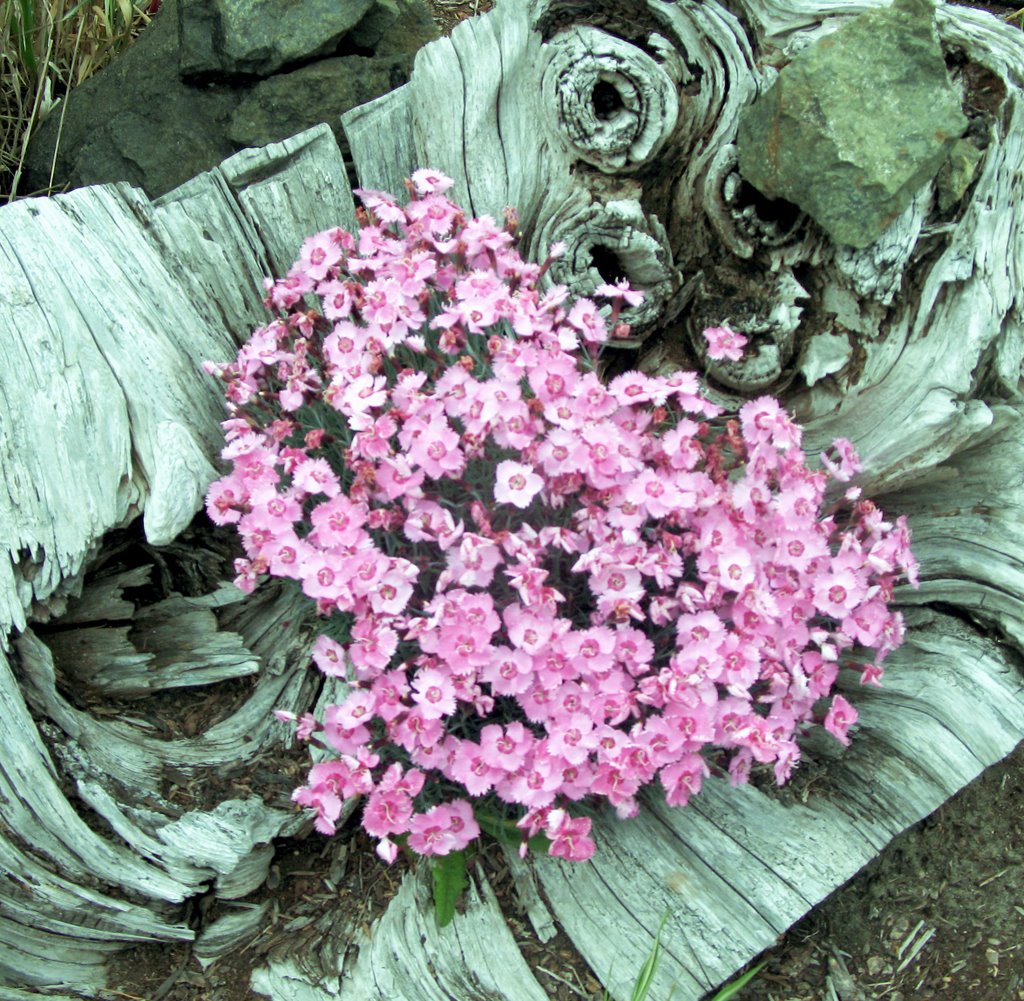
449	882
733	988
500	828
26	29
71	14
645	978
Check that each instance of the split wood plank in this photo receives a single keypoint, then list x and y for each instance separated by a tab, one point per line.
88	281
108	415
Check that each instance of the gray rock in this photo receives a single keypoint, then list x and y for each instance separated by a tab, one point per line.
856	123
375	23
394	28
321	92
258	37
135	121
138	121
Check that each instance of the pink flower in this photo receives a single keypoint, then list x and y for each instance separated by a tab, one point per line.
724	344
586	318
387	850
686	590
391	593
434	693
329	656
620	290
764	421
846	463
569	837
357	709
387	813
505	747
461	822
837	594
840	717
516	483
225	499
430	833
430	182
318	254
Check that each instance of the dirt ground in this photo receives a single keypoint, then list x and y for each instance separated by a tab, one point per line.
939	915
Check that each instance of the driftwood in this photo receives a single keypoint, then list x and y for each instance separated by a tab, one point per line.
146	292
609	126
911	348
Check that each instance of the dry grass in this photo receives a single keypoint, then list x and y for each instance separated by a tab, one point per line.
46	48
448	13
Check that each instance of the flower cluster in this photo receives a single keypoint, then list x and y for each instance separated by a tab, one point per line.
542	588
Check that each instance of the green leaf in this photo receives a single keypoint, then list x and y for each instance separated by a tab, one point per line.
504	830
449	882
733	988
500	828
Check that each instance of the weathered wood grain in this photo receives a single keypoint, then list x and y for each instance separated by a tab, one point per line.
110	304
489	105
610	129
173	644
109	416
160	854
380	132
88	283
475	958
290	190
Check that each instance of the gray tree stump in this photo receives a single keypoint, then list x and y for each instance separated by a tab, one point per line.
912	348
